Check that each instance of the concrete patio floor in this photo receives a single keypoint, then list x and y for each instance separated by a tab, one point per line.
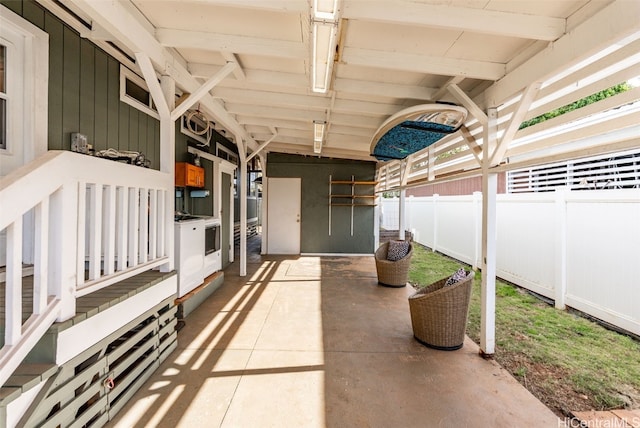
314	342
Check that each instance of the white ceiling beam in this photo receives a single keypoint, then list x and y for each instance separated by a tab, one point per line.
307	149
143	61
455	80
450	17
275	99
274	112
115	18
427	64
468	103
380	89
350	130
528	96
249	120
175	38
238	72
585	40
271	5
365	108
196	96
261	147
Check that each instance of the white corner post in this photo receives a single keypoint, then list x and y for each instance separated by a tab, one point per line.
405	165
167	165
242	200
489	235
401	213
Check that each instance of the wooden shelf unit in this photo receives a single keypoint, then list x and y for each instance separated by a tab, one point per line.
352	199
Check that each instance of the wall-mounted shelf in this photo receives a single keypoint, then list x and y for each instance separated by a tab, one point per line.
348	196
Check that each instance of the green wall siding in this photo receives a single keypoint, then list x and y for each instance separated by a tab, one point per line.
84	92
315	173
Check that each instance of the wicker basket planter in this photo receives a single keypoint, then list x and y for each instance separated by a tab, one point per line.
439	313
392	273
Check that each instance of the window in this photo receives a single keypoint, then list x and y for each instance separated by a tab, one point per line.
134	91
226	154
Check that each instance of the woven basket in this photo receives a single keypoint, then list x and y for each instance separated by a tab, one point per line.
392	274
439	313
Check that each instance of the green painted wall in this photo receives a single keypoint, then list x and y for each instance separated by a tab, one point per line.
84	92
315	173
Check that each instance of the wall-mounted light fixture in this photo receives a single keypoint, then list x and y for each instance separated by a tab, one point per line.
318	135
323	33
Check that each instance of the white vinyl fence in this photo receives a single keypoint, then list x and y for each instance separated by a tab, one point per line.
580	248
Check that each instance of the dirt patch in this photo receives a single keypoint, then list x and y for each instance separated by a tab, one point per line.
552	386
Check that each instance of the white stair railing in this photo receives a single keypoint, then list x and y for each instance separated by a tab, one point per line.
84	223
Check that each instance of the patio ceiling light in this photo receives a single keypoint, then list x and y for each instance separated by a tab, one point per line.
318	135
324	32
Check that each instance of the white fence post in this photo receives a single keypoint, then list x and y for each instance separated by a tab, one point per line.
434	248
561	247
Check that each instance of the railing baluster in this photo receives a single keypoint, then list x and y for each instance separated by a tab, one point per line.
13	302
143	230
109	230
153	218
82	231
134	208
95	231
121	227
161	219
41	257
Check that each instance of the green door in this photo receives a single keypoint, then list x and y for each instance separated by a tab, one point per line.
226	221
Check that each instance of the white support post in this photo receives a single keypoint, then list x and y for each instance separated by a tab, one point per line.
63	238
242	199
167	165
561	248
489	192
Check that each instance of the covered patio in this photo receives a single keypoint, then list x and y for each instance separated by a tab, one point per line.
315	341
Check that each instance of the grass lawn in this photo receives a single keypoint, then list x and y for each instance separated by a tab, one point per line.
567	361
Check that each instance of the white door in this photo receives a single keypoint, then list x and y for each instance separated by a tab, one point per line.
283	215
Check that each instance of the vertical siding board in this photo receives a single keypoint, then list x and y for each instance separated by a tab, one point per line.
155	160
123	128
87	90
55	29
33	13
101	93
143	147
14	5
113	104
71	86
133	130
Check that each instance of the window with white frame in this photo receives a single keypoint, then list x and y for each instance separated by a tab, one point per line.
134	91
226	154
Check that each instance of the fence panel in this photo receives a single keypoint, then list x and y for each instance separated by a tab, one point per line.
603	252
526	247
585	244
